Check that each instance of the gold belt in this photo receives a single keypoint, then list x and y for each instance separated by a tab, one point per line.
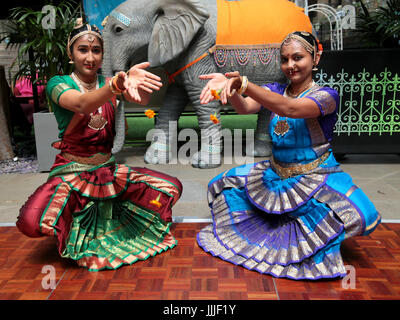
291	171
96	160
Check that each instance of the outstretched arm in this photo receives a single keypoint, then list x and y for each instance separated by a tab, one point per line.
258	96
136	88
85	103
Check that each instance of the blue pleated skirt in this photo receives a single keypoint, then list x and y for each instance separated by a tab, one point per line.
289	228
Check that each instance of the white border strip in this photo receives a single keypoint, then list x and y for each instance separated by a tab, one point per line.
195	219
390	221
7	224
192	220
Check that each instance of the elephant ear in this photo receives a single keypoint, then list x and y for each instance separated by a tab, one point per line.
175	28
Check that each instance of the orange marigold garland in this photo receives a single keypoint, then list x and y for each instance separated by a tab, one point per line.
149	113
215	94
214	118
156	202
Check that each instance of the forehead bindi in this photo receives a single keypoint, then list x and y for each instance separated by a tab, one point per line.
88	40
293	48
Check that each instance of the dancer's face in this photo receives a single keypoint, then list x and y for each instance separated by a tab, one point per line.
296	62
87	55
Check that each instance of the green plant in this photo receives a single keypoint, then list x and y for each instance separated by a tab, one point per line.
381	28
41	48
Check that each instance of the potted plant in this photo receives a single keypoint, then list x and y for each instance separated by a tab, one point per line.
41	39
380	28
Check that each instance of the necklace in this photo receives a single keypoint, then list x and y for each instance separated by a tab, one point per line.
88	86
306	87
96	122
282	126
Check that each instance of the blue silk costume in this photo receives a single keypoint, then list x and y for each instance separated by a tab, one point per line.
270	218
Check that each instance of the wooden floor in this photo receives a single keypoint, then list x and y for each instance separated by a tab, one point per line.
187	272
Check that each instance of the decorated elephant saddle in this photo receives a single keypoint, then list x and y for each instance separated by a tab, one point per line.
248	30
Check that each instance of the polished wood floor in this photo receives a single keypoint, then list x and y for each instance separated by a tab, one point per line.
187	272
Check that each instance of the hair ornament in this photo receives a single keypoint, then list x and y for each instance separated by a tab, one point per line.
92	31
103	24
313	48
78	23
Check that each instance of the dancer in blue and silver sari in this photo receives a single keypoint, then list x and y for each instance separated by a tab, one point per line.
286	216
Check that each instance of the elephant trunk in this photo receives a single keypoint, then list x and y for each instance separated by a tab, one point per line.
107	60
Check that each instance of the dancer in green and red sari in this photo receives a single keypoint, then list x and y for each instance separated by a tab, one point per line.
103	214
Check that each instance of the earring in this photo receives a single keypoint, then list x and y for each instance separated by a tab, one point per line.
71	62
315	68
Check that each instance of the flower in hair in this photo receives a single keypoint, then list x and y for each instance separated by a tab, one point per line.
320	47
78	23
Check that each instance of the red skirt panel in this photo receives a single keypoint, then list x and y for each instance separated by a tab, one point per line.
49	210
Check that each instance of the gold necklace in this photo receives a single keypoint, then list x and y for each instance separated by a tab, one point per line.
96	122
308	86
89	86
282	126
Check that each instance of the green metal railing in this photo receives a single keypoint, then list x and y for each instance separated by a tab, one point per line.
369	103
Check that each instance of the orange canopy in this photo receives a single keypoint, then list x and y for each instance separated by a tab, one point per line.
258	22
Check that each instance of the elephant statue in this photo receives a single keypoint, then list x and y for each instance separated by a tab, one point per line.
182	35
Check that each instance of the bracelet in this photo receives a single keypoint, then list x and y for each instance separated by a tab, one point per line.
110	84
243	87
113	86
114	82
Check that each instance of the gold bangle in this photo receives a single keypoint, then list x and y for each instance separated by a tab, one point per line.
243	87
115	85
110	84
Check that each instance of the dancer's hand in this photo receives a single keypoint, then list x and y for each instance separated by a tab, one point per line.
139	83
144	80
129	88
234	83
221	84
216	84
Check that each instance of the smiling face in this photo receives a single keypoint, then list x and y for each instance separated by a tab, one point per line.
87	55
297	63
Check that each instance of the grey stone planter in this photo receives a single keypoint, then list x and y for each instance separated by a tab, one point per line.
46	132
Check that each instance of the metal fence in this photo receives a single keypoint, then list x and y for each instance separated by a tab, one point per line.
369	103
